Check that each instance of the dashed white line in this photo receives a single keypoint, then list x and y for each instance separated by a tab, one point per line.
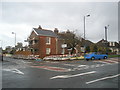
102	79
70	76
69	65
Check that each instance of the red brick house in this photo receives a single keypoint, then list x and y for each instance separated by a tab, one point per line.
44	42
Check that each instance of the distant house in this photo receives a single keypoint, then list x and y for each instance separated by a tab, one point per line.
102	43
113	46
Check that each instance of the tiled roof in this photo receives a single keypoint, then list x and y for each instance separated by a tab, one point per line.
43	32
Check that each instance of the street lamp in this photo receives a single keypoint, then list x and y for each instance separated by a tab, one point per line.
84	30
15	37
84	24
106	28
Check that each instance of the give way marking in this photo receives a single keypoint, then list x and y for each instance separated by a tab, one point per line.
102	79
70	76
14	70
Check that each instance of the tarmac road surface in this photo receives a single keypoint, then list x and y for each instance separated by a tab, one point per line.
18	73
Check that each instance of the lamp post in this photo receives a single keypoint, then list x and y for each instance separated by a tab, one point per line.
15	37
84	31
106	28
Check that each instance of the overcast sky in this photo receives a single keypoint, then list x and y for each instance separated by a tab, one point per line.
21	17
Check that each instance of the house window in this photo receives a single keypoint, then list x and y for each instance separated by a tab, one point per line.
48	40
47	50
36	50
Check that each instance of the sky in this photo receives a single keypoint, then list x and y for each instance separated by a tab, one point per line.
21	17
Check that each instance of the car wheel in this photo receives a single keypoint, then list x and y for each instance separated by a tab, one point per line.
105	57
87	59
92	58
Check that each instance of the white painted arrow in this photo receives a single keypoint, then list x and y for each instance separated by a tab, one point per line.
69	76
14	70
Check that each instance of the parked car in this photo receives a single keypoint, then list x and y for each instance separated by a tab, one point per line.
95	55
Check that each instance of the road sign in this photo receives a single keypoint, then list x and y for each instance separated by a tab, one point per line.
64	45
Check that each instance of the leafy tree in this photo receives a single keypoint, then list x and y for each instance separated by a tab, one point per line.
88	49
8	49
95	48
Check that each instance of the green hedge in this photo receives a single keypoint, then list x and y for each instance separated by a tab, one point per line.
110	56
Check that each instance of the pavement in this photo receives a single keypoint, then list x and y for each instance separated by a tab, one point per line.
18	73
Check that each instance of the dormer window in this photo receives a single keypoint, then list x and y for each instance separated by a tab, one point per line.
48	40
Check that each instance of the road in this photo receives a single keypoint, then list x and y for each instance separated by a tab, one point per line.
18	73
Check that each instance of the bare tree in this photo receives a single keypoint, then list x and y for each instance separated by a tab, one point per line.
72	40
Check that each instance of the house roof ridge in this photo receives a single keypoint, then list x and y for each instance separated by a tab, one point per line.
45	32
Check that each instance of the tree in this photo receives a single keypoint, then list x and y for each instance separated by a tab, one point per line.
19	46
8	49
95	48
88	49
71	40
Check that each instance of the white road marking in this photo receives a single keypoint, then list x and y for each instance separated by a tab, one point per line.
14	70
69	65
102	79
92	66
113	58
102	62
86	67
70	76
112	61
26	62
54	62
75	65
82	65
98	65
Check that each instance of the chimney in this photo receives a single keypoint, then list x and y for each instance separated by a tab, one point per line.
39	27
68	31
56	30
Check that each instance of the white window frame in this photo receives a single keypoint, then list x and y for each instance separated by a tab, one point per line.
48	50
49	40
113	43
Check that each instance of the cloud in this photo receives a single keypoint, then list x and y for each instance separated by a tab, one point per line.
21	17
